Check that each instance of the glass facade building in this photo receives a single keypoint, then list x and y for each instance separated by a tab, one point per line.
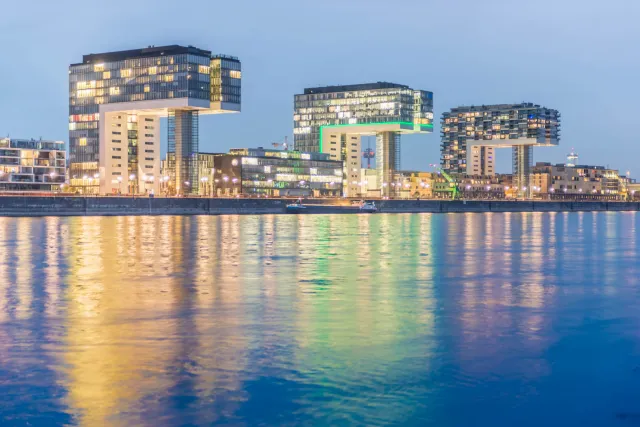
470	134
116	100
32	165
332	120
275	173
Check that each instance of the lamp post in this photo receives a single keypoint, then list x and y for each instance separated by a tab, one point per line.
132	177
204	181
235	181
165	184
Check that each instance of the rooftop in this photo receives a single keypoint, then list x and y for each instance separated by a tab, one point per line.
349	88
467	108
150	51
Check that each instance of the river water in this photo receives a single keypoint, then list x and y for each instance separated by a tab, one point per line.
498	319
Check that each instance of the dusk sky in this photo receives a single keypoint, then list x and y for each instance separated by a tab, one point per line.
577	56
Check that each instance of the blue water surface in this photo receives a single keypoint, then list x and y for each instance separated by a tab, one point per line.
496	319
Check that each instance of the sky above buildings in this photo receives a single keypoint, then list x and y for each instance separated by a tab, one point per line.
577	56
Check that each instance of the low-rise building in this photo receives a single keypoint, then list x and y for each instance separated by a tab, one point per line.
369	185
578	182
276	173
470	187
413	185
204	175
32	165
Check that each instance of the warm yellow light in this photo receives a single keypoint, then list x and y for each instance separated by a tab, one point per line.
82	142
98	67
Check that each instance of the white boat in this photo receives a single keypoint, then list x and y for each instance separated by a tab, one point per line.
296	207
368	207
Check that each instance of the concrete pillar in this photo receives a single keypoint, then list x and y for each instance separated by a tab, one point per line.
183	141
387	160
522	166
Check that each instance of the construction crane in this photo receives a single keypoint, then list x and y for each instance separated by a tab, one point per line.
369	154
284	145
453	185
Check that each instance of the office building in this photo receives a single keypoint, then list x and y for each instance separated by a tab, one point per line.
205	163
276	173
333	119
32	165
116	100
470	136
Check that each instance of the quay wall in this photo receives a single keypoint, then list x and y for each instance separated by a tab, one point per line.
104	206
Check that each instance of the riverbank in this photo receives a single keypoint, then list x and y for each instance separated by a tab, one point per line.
105	206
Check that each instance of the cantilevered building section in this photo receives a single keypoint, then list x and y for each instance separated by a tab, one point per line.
116	100
470	135
333	119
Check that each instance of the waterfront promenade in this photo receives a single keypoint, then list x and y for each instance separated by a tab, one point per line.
106	206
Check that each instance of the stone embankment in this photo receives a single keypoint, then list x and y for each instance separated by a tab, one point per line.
104	206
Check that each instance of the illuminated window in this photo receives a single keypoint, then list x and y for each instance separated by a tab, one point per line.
235	74
98	67
125	72
153	70
82	142
167	78
114	90
85	93
106	75
203	69
147	88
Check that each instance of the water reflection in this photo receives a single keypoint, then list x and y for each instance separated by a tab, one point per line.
367	319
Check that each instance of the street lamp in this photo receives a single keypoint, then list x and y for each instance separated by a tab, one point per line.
204	180
132	178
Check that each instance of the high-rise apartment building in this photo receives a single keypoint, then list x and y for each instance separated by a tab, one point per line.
116	100
333	119
470	135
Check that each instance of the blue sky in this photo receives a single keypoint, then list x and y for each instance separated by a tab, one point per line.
579	57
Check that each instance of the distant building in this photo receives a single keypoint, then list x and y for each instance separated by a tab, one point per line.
470	135
276	173
116	100
333	119
581	181
572	159
32	165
